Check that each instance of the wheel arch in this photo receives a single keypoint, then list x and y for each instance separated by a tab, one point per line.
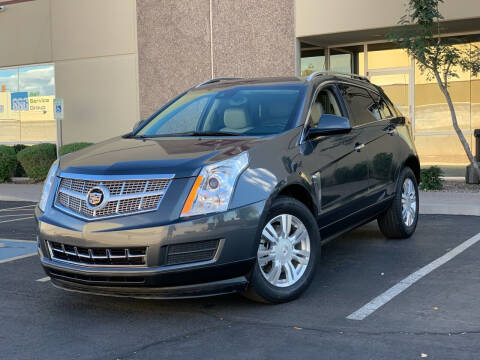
413	163
300	193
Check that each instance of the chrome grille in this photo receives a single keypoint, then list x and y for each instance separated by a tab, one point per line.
126	196
136	256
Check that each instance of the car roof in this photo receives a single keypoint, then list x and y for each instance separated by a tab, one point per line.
315	78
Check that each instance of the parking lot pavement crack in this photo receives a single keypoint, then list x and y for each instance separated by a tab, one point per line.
170	339
348	331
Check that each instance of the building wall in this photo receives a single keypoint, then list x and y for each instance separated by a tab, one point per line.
177	47
93	46
314	17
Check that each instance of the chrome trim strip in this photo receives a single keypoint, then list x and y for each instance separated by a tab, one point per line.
80	216
142	195
115	177
91	257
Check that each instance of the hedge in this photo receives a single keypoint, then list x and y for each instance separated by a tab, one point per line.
37	159
430	178
8	162
19	170
69	148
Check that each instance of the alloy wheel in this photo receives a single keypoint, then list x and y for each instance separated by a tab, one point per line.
409	202
284	250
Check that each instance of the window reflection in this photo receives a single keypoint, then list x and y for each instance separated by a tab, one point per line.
37	124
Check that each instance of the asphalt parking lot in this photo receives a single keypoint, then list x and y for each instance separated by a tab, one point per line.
437	317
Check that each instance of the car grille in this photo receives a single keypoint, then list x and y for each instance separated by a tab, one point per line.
125	197
134	256
191	252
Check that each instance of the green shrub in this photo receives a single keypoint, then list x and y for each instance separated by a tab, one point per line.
19	170
37	159
69	148
8	162
430	178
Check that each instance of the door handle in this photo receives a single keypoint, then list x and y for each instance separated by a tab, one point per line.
359	147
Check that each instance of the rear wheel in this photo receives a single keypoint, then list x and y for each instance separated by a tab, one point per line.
287	253
400	220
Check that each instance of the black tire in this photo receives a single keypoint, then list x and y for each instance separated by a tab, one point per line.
259	288
391	222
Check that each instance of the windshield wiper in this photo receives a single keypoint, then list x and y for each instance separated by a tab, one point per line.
213	133
188	133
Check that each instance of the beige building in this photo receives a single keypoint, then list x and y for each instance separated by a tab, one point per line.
117	61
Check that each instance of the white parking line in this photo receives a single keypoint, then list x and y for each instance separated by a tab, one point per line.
397	289
44	279
10	215
5	221
16	208
17	240
17	258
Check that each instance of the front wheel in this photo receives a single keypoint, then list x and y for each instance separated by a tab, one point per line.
287	253
400	220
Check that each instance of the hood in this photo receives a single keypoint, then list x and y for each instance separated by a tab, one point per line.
179	156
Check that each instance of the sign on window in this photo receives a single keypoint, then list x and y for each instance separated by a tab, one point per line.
19	101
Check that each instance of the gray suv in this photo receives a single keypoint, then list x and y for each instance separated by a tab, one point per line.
233	186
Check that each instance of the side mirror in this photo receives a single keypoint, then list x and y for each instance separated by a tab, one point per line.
330	125
138	124
400	120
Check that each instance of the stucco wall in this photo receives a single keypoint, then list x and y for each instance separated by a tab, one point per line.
250	38
173	49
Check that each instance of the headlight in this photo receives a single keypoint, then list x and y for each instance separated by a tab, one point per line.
48	185
213	187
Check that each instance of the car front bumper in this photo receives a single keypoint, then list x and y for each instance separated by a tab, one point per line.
237	231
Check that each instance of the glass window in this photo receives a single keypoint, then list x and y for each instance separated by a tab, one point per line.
379	108
360	102
325	103
431	109
36	123
381	58
312	64
248	110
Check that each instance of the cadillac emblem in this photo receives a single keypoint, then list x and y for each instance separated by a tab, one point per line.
97	197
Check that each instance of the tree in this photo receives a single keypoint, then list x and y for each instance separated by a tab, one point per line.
438	57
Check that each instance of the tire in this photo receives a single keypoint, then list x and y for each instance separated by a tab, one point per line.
392	223
294	277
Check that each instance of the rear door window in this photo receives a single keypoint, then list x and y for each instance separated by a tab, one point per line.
380	108
360	104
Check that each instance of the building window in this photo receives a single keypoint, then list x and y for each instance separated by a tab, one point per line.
33	121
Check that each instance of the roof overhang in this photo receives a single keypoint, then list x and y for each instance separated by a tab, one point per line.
464	26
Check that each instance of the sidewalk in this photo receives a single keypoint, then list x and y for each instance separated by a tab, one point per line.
21	192
449	203
432	202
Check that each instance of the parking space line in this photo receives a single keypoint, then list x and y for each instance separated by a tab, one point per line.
10	215
5	221
17	257
397	289
17	240
16	208
44	279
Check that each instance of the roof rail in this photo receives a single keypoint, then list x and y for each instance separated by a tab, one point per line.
337	73
215	80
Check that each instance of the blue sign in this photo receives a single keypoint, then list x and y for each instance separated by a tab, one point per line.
19	101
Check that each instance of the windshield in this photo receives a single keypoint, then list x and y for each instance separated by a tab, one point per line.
245	110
